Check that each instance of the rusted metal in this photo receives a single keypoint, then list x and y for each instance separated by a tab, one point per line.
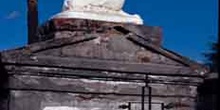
32	20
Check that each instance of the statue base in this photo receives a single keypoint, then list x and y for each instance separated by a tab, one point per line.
120	17
72	27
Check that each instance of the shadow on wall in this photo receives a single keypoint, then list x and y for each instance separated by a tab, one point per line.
4	93
207	95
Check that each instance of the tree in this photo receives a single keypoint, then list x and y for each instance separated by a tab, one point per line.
212	57
207	91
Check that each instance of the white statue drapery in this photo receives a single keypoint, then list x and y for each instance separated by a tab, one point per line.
90	5
102	10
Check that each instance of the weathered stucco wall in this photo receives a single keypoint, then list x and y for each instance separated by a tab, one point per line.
43	92
74	72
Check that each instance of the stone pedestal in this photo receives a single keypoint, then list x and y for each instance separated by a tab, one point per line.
69	27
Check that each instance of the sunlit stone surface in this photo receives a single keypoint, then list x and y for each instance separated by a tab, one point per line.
102	10
60	108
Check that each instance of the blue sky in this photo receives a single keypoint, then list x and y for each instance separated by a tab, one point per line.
188	25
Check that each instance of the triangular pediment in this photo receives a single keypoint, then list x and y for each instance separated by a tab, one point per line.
122	52
105	46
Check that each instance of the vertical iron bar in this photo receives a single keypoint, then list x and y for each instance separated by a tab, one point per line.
143	92
129	105
32	20
162	106
149	98
143	98
9	100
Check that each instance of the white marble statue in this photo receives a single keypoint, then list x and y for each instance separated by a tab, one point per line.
102	10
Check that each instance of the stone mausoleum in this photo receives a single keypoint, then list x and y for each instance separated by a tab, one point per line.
95	56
